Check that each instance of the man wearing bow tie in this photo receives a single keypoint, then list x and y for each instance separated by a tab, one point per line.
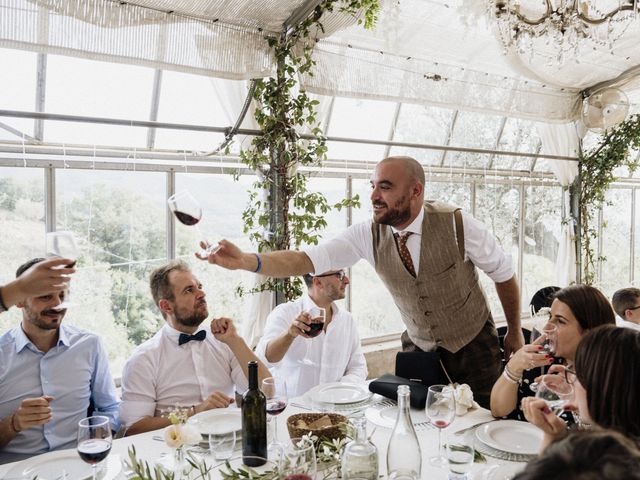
183	365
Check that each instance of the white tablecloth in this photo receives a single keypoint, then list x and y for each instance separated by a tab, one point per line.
151	449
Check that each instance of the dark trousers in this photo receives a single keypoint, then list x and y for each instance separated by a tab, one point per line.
477	364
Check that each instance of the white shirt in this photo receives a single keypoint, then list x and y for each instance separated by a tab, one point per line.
336	354
621	322
162	374
356	242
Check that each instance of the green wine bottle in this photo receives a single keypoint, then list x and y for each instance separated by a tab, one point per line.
254	422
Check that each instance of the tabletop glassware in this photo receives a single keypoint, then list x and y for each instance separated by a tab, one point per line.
94	440
404	456
275	389
555	390
188	211
360	456
318	318
62	244
460	451
222	444
550	334
441	410
299	460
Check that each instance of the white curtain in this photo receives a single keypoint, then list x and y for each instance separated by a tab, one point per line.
563	139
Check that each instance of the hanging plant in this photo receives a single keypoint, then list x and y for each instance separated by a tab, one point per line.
596	169
290	214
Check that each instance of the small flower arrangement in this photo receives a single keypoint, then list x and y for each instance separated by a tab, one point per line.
179	433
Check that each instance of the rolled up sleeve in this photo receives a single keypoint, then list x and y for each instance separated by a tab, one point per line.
138	391
344	250
484	252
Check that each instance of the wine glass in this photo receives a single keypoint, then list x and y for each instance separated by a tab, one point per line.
440	409
62	244
275	389
299	460
187	211
550	334
555	390
94	440
318	318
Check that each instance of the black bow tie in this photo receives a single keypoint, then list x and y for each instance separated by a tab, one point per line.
184	338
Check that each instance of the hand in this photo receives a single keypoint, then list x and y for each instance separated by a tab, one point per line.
33	412
41	279
553	370
513	341
300	325
223	329
215	400
537	412
528	357
226	254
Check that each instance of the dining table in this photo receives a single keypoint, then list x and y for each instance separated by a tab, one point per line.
150	446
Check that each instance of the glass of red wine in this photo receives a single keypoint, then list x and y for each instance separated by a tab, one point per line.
299	460
318	318
94	440
441	410
275	389
187	211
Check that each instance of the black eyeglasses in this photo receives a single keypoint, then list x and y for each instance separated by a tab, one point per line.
340	274
634	308
570	375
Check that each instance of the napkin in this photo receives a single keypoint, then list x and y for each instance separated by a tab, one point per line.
464	398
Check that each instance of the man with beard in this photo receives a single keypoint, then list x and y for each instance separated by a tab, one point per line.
333	355
183	364
50	374
426	254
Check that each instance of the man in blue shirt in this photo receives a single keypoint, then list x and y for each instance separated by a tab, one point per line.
49	375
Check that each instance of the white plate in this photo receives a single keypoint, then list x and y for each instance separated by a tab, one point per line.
504	472
386	416
54	465
511	436
339	393
217	420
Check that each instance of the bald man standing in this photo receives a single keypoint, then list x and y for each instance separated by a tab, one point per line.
426	253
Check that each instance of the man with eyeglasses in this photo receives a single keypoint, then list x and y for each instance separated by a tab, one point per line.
626	303
305	361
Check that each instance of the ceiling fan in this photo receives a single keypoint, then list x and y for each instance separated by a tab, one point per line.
604	109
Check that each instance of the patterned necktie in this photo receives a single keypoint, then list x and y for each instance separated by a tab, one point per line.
184	338
405	256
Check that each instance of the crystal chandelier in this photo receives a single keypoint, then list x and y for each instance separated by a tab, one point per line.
564	26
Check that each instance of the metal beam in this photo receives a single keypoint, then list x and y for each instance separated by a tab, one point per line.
447	141
50	198
497	142
16	132
155	105
171	224
242	131
41	88
392	129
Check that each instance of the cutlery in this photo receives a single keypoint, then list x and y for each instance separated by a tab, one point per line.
460	432
299	405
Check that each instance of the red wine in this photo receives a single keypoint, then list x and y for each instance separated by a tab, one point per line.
298	476
94	451
315	329
276	407
441	423
185	218
254	422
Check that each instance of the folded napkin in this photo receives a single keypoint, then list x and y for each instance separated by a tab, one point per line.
387	386
464	398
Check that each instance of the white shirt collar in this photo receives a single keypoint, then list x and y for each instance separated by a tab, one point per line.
173	334
307	303
414	227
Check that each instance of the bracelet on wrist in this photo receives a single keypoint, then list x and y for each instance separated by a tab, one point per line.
508	377
509	374
259	267
12	424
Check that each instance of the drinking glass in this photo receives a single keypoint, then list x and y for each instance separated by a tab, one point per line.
318	318
440	409
62	244
94	440
187	211
460	452
554	390
275	389
299	460
549	332
222	444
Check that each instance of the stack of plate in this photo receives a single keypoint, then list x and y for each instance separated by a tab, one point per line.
509	440
218	421
339	397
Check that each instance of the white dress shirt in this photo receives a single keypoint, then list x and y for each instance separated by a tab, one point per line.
336	354
621	322
356	242
162	374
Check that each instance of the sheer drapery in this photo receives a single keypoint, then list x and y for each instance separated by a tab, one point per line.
563	140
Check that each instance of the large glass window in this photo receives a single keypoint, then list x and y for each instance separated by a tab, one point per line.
17	91
616	232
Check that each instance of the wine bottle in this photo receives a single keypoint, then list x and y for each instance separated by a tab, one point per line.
254	422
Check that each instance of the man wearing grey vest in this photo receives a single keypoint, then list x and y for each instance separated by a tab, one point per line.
426	253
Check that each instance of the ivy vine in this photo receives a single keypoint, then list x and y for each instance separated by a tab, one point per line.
291	214
596	170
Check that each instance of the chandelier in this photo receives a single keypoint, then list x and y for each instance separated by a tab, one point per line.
564	26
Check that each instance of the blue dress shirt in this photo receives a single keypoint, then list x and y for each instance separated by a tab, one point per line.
74	372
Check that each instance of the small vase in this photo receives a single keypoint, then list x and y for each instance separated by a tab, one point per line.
179	464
